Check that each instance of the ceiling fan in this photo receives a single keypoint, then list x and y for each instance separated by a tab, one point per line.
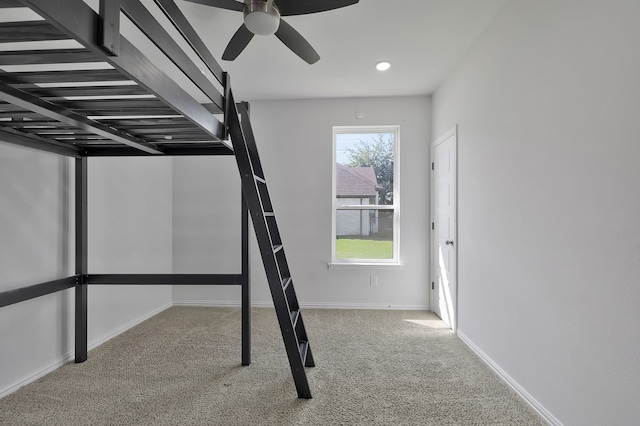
263	17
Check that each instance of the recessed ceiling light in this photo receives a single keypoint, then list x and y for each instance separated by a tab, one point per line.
383	66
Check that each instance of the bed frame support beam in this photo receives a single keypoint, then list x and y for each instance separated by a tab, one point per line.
16	137
124	151
143	19
11	297
175	15
164	279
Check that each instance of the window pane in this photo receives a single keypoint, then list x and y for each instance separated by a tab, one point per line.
364	234
364	169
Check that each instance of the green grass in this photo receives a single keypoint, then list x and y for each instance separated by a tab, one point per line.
363	249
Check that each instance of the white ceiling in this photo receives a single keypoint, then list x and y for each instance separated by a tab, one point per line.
423	39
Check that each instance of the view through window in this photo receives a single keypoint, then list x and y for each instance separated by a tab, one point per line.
365	194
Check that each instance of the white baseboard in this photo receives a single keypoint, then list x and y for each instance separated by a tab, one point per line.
511	382
308	305
211	303
25	380
332	305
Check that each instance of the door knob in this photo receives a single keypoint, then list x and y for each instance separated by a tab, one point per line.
449	242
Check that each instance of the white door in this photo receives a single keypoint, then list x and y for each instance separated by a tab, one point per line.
443	294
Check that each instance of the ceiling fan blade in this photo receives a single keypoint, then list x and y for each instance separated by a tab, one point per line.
222	4
238	42
294	41
303	7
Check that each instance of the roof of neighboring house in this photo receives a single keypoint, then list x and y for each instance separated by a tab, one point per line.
356	181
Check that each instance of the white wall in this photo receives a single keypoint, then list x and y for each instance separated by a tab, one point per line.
206	225
294	139
34	248
130	226
127	234
549	149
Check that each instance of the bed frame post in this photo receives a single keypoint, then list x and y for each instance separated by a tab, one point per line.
109	34
81	260
246	287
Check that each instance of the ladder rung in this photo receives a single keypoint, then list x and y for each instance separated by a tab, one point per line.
269	214
294	317
303	346
277	248
285	283
259	179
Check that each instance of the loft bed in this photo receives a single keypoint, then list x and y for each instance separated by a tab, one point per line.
73	85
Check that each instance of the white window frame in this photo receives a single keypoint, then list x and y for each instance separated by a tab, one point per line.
395	207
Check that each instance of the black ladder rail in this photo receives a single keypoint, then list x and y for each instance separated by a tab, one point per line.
256	194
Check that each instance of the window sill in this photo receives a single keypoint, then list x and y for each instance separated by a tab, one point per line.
363	265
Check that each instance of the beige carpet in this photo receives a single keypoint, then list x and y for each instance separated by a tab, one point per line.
182	367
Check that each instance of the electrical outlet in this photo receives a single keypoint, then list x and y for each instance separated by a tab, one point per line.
373	281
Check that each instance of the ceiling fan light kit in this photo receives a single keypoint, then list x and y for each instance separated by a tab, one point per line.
262	17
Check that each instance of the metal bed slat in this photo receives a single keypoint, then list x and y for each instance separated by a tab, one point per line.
179	138
155	128
17	111
115	105
80	139
104	115
149	122
10	3
20	115
173	130
96	91
70	76
31	123
52	56
66	134
29	31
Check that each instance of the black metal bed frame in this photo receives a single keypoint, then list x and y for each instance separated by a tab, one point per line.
84	120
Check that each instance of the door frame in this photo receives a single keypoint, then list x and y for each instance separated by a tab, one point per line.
452	132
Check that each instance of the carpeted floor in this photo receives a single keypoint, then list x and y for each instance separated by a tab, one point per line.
182	367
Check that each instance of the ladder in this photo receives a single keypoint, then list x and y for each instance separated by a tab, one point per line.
256	194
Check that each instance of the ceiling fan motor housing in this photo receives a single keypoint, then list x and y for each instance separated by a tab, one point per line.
261	17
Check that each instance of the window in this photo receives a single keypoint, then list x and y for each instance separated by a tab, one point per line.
365	195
